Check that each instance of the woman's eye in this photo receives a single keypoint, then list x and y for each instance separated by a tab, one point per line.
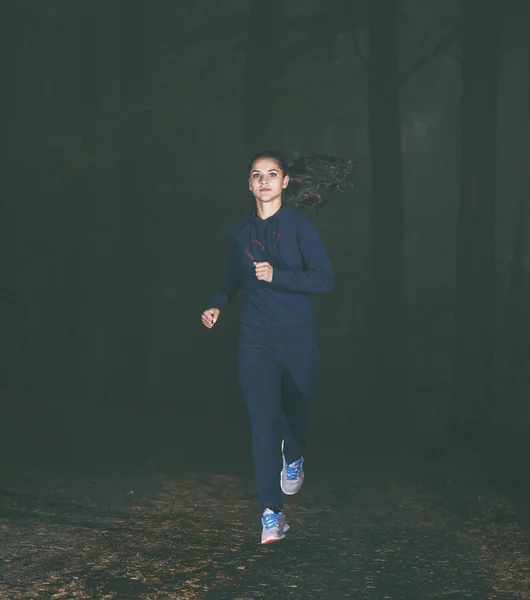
256	175
273	174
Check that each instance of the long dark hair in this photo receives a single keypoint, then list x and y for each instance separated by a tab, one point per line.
310	177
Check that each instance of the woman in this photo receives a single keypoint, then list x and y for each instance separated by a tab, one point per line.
277	254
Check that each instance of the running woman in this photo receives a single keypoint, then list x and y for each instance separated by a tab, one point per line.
278	256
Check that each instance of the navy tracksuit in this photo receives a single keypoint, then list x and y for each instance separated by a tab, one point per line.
278	349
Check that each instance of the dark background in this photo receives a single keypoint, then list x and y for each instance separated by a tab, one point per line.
127	129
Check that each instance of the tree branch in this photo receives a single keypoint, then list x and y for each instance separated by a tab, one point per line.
358	50
425	60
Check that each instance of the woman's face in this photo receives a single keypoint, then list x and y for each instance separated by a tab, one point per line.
267	181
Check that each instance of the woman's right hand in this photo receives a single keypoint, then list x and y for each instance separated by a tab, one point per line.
210	316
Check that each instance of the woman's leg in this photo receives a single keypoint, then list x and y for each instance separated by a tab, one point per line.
260	380
300	374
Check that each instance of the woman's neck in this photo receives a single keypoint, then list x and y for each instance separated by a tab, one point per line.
266	210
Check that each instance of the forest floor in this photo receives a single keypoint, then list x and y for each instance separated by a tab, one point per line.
179	520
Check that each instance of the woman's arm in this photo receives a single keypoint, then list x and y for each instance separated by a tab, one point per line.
317	274
233	279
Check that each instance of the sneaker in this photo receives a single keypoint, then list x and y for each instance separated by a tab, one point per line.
274	526
292	476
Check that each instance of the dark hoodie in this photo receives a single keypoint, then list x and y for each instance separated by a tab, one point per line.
291	243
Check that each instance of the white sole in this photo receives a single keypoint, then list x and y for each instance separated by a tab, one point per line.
283	489
281	478
279	539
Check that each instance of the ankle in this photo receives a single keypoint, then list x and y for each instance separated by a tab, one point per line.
273	509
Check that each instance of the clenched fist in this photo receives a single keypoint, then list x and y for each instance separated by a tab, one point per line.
210	316
264	271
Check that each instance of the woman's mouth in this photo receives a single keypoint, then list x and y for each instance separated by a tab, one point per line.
265	190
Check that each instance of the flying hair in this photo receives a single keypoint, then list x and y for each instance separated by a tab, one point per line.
311	177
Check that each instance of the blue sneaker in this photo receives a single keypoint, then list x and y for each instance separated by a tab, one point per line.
292	476
274	526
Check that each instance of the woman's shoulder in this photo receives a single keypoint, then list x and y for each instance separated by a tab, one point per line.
293	214
238	227
299	218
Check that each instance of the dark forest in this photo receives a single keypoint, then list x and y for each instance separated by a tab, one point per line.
128	126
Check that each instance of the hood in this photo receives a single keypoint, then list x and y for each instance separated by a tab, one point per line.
264	235
284	211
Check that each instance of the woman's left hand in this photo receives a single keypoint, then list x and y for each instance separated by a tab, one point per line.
264	271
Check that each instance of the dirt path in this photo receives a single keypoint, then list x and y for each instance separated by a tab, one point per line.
394	526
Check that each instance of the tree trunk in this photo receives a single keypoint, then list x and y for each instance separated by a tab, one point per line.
386	315
133	260
517	290
517	305
99	207
12	47
263	74
59	341
474	365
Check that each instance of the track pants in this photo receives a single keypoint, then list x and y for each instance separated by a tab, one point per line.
278	372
